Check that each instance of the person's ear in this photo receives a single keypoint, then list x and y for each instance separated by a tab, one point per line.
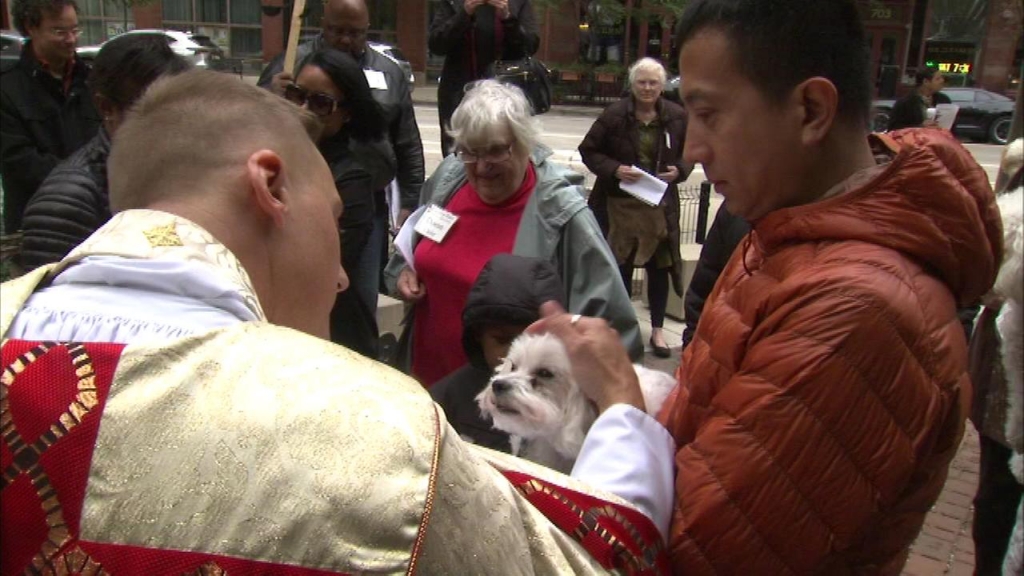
265	172
818	100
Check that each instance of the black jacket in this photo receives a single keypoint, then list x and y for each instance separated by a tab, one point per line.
39	126
725	234
72	203
403	132
614	140
469	44
359	169
509	290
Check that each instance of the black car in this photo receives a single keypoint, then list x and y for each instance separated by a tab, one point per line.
983	115
10	45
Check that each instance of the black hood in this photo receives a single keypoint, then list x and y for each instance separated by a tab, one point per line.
509	290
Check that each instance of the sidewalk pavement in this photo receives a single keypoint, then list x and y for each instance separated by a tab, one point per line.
944	546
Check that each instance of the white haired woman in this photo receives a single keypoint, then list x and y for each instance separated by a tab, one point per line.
646	131
506	197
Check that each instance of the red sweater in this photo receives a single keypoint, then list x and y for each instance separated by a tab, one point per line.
448	271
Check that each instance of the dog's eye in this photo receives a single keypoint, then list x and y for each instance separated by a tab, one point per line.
512	366
544	373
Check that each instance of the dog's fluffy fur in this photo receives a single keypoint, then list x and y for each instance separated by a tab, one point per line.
533	397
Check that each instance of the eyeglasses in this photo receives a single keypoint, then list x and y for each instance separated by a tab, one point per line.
494	154
318	103
65	32
340	32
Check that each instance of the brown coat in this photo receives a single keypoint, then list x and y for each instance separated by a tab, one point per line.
825	391
613	141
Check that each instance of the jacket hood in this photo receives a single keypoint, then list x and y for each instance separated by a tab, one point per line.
509	290
932	203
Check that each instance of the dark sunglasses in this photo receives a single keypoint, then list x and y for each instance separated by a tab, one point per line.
319	103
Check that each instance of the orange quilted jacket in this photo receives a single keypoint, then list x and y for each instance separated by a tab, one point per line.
825	391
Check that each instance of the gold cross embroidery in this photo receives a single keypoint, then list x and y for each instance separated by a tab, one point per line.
163	236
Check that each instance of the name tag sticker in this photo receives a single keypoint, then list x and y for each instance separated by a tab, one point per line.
436	223
376	79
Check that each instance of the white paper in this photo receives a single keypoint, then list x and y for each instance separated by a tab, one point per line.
394	202
376	79
403	241
648	188
945	115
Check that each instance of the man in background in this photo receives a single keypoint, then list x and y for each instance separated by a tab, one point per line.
46	111
344	27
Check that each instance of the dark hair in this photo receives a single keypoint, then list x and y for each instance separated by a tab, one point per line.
29	13
780	43
128	64
924	74
366	120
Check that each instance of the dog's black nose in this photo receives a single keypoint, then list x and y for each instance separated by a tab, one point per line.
500	386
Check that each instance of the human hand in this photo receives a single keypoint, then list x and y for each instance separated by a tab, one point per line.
501	7
669	175
599	361
280	81
627	174
403	215
470	6
410	288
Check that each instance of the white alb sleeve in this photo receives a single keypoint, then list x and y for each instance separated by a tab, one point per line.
628	453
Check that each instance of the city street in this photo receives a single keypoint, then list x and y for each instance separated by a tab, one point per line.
564	132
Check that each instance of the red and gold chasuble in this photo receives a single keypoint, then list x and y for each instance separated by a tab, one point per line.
51	403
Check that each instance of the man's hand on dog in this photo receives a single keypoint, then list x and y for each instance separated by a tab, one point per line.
599	361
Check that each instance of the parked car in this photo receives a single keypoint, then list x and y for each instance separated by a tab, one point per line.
10	45
396	56
671	91
983	115
196	48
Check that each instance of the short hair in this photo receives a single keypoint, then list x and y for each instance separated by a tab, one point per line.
647	64
188	129
29	13
128	64
489	103
924	74
367	117
780	43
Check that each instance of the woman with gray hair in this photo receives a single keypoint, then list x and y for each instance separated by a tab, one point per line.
499	193
642	131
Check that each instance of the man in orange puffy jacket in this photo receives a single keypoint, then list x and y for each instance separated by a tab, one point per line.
825	391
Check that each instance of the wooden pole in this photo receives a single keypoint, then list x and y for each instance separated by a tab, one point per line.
293	36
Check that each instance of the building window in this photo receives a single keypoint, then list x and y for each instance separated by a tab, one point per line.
246	41
177	10
212	10
245	12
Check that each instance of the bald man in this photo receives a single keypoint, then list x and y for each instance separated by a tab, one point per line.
344	27
170	404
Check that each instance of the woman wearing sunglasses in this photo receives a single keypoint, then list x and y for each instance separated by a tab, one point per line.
506	196
332	86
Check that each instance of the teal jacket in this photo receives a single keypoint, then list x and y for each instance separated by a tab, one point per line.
557	226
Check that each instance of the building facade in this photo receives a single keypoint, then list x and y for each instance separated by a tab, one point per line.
975	42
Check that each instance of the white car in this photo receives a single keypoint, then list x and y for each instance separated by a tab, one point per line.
396	56
197	49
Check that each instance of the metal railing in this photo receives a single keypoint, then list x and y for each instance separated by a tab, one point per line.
694	204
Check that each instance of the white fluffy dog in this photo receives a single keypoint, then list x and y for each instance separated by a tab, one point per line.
533	397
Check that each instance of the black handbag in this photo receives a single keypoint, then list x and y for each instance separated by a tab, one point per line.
530	75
